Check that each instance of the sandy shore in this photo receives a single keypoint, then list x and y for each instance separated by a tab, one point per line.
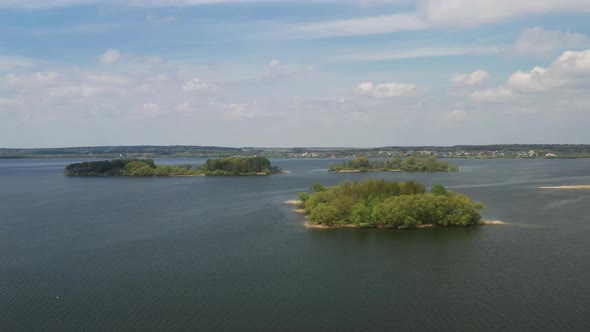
349	171
293	202
314	226
581	186
492	222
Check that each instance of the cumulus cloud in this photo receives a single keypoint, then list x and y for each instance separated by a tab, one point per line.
110	57
274	64
387	90
195	85
566	69
571	70
537	41
477	77
60	92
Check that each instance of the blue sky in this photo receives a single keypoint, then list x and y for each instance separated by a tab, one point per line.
293	73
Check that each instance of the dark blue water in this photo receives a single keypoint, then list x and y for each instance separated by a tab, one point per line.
206	253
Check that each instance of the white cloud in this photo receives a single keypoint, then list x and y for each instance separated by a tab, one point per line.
387	90
183	107
106	78
492	95
477	77
358	26
154	60
9	62
540	42
478	12
456	115
195	85
566	69
572	63
151	107
274	64
537	79
250	110
415	53
110	57
571	70
11	102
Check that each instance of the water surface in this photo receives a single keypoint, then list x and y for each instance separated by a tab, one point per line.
218	253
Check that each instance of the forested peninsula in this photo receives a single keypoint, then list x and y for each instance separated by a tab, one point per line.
231	166
386	204
410	164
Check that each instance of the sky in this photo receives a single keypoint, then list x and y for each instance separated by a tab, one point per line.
281	73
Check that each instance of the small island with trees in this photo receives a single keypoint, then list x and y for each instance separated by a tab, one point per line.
231	166
387	204
410	164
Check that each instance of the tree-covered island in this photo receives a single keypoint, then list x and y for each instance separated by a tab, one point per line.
409	164
387	204
231	166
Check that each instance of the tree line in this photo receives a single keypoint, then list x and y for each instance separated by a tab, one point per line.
147	167
410	164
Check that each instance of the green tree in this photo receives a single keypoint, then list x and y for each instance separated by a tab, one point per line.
438	189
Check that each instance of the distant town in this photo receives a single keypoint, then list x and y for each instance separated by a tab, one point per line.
178	151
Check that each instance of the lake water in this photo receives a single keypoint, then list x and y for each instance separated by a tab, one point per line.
225	253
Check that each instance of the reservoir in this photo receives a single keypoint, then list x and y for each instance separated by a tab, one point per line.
226	254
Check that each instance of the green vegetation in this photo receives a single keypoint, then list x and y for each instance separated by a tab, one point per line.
147	167
239	166
386	204
127	167
410	164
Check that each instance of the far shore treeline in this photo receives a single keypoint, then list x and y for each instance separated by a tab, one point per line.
387	204
146	167
548	151
409	164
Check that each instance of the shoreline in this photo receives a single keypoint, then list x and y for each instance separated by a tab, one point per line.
367	171
351	226
580	186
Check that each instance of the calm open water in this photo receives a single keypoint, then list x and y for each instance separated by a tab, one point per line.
225	253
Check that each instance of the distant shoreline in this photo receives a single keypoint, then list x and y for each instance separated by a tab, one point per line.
490	151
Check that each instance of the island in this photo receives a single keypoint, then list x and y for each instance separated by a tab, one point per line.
409	164
387	204
230	166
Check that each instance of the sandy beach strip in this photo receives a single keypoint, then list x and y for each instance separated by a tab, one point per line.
315	226
581	186
492	222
